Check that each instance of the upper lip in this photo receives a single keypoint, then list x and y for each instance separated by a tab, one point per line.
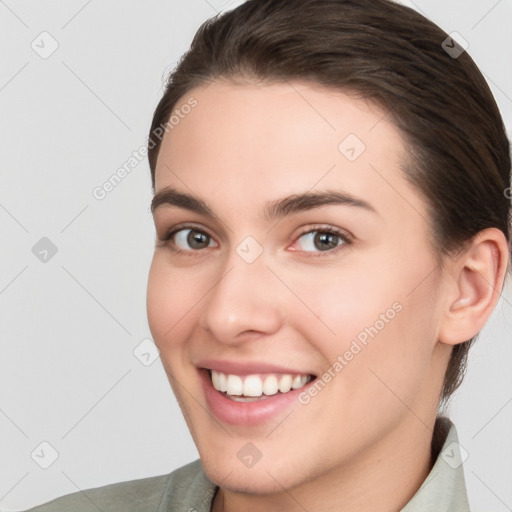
246	367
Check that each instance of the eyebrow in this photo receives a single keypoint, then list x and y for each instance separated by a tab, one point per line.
274	210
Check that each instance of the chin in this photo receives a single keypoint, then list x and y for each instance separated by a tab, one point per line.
264	478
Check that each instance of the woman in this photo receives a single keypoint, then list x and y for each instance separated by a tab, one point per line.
333	232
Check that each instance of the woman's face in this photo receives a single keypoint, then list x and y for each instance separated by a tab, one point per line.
275	287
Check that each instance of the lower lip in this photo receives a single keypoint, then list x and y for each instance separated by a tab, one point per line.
245	413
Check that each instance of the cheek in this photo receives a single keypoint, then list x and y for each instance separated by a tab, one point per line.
381	324
171	296
396	362
339	303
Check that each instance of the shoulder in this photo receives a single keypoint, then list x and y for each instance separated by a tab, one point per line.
145	494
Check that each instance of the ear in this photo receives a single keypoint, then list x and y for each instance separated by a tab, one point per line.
477	278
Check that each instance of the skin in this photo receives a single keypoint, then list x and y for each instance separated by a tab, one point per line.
368	433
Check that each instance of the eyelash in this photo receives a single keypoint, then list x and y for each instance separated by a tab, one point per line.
345	238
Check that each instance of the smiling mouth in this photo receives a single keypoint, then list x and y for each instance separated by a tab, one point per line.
254	387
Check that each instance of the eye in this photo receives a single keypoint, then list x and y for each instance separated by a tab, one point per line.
322	240
188	239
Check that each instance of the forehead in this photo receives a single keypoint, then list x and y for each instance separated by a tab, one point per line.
255	140
230	113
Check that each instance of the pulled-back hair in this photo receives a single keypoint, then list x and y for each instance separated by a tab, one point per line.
458	151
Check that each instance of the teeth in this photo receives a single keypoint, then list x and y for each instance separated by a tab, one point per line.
285	383
270	386
299	381
235	385
252	386
215	379
256	386
223	382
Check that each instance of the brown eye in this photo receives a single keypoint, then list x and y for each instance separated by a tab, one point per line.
321	240
187	238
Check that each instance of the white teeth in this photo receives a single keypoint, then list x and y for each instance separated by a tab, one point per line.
252	386
235	385
256	386
215	380
285	383
223	381
297	382
270	385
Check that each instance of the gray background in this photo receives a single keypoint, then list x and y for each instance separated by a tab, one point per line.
71	324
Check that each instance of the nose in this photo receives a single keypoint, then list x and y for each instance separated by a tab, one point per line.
244	303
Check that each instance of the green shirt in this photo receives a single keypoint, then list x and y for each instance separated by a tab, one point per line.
188	488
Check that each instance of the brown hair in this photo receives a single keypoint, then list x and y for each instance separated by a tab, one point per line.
391	54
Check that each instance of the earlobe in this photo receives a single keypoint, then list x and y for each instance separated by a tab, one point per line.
478	277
